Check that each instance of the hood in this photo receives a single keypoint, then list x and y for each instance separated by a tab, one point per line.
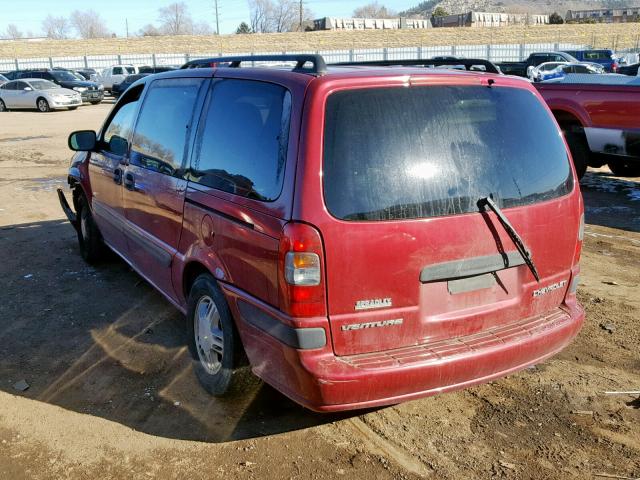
78	83
60	91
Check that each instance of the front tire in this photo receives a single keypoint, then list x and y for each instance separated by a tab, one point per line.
214	343
92	248
3	107
579	152
625	168
43	105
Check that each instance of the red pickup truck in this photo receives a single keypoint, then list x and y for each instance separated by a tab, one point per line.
601	123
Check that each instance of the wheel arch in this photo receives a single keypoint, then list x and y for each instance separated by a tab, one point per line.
566	118
192	270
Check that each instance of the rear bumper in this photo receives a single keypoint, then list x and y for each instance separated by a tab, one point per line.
321	381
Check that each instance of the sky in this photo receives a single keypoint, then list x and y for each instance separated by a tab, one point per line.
27	15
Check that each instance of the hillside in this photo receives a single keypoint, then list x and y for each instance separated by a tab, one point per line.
515	6
625	35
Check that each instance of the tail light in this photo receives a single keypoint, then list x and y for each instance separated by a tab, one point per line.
576	256
301	271
614	67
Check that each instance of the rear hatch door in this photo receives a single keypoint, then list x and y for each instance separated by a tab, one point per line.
410	258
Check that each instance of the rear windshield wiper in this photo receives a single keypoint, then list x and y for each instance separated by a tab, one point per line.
517	239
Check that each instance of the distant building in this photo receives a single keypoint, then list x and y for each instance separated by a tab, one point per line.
604	15
486	19
333	23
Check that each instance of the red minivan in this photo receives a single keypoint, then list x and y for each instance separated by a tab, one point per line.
356	235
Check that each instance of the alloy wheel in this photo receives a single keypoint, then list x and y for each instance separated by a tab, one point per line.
209	335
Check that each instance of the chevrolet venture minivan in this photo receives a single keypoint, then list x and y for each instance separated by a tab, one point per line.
356	235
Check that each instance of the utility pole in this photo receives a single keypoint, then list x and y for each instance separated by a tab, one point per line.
300	15
126	22
217	19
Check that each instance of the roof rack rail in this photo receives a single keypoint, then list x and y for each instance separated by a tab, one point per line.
318	67
468	63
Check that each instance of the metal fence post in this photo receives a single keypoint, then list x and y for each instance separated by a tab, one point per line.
50	62
385	53
86	62
186	57
521	53
17	64
489	52
119	59
419	53
153	59
453	50
351	55
253	62
556	47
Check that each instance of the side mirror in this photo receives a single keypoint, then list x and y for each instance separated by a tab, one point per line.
27	89
82	141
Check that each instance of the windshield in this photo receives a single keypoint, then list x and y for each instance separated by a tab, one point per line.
64	76
42	84
395	153
130	69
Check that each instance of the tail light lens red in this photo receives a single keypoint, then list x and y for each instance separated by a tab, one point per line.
578	252
301	271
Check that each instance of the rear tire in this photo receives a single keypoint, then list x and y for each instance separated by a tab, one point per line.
3	107
579	151
43	105
73	108
625	168
92	248
218	357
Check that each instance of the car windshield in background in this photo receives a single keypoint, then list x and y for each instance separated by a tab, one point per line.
133	78
130	69
397	153
42	84
63	76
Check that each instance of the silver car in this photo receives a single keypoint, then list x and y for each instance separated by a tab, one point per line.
43	95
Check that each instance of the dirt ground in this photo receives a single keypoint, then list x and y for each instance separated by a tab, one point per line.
111	393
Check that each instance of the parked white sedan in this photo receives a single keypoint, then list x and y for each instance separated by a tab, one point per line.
43	95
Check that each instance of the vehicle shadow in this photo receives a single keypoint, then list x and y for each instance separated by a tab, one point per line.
101	341
611	201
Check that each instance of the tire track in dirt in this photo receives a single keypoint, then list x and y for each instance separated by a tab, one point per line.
378	445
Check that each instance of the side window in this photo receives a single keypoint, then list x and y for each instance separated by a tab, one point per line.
117	70
241	146
21	85
116	136
159	141
10	86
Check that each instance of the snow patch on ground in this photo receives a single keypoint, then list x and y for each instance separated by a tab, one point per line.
604	183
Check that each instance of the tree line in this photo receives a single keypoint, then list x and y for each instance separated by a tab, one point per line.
265	16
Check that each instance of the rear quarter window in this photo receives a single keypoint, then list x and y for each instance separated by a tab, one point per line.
428	151
241	146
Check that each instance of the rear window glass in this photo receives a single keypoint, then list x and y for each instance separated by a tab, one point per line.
597	56
398	153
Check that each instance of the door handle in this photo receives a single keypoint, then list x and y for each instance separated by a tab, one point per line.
117	176
129	181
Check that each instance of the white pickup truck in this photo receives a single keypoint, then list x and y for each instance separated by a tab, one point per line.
116	74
